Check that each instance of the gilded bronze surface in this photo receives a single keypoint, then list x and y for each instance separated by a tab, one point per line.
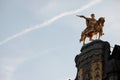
93	27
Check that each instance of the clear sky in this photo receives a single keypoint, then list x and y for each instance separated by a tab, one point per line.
48	53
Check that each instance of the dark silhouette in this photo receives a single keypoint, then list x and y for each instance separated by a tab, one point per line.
112	63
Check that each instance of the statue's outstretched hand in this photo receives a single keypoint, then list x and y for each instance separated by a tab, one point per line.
81	16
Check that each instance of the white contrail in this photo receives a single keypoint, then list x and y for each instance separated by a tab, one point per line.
50	21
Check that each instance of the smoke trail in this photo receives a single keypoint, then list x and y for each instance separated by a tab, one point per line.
50	21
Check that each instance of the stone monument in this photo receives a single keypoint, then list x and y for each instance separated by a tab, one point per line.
96	61
94	27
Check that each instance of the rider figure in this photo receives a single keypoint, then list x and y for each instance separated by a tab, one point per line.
90	22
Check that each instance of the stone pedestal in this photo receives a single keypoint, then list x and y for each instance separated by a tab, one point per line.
95	62
90	61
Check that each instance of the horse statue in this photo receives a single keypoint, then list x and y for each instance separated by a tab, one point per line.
98	29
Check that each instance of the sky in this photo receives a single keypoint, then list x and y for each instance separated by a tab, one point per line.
48	51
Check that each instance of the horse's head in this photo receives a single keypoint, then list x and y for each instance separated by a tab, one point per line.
101	21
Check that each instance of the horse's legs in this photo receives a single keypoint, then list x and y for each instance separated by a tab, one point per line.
100	34
90	37
84	40
81	39
83	36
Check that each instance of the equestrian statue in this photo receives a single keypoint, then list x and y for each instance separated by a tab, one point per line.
94	27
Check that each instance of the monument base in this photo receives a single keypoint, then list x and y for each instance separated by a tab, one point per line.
94	61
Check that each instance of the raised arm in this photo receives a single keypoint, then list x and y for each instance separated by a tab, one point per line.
81	16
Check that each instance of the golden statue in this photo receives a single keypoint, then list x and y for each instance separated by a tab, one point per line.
93	27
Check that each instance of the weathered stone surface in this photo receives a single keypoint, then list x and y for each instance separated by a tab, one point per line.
95	62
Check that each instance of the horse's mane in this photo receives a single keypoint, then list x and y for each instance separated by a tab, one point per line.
101	20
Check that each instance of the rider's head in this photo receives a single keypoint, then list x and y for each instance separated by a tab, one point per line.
92	15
